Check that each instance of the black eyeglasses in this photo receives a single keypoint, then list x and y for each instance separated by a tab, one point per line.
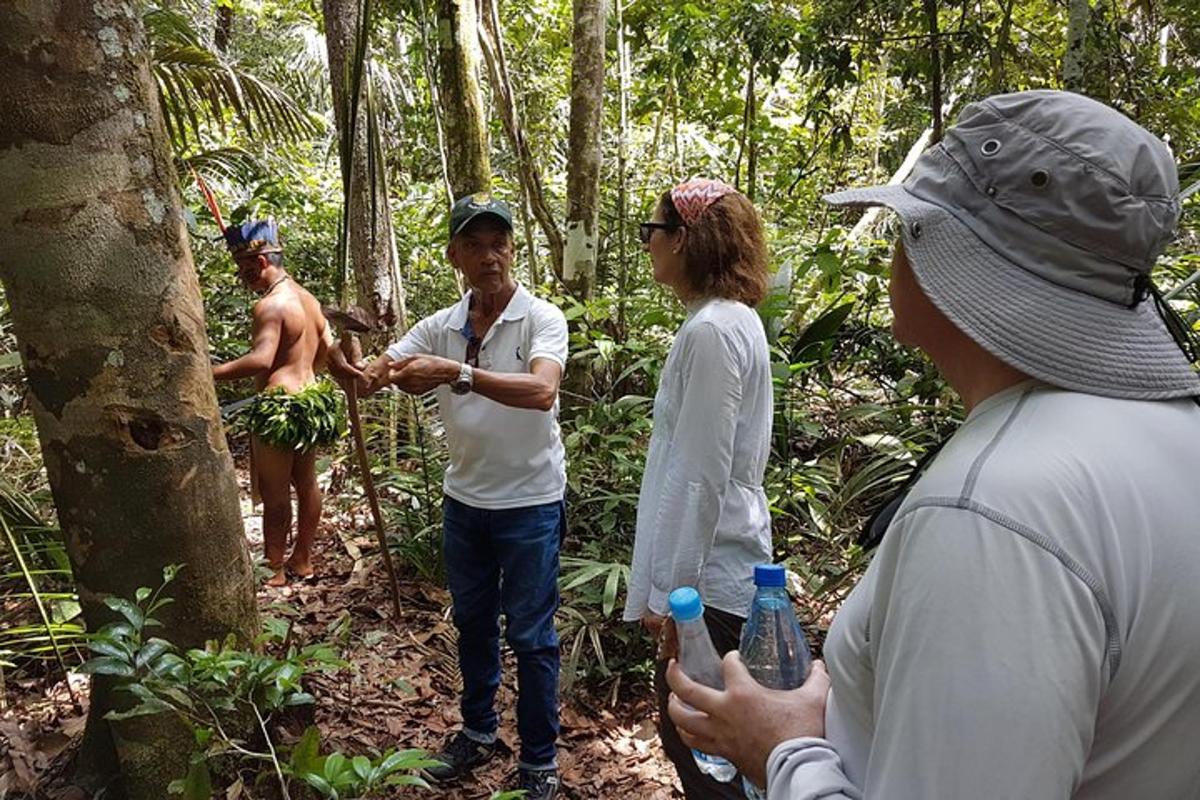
647	229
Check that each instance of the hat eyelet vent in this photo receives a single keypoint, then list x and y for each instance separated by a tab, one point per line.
915	230
1040	178
990	147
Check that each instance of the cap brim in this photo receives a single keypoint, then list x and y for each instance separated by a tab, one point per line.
1056	334
507	222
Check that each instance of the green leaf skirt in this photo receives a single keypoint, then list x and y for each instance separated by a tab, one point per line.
312	417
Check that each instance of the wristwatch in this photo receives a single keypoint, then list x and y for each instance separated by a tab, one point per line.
466	378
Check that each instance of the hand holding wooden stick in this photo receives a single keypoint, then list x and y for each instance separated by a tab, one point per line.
350	323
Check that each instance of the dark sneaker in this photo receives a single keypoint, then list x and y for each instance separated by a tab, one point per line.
538	784
459	757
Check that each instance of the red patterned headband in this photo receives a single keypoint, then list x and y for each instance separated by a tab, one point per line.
693	197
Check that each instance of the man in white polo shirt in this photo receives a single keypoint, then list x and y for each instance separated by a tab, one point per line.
495	359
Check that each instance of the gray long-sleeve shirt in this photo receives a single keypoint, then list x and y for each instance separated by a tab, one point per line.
1030	627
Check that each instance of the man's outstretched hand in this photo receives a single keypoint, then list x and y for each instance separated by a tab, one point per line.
377	374
746	721
420	374
344	372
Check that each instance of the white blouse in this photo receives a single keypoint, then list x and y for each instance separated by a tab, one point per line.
702	515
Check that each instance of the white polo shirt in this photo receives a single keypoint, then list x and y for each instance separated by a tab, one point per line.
500	457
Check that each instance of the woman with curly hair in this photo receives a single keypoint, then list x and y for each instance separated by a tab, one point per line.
702	514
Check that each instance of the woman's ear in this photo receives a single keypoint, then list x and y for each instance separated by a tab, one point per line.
680	240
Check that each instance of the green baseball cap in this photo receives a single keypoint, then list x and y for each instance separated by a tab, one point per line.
470	206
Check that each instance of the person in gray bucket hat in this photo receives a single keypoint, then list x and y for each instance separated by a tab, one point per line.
1027	627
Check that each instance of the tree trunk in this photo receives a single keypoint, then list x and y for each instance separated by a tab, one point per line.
622	168
584	152
462	105
935	69
379	286
1075	58
106	309
535	273
223	29
492	39
435	106
1002	45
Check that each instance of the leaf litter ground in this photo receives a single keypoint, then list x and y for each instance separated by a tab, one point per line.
401	688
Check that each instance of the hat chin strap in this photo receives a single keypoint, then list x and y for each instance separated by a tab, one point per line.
1177	326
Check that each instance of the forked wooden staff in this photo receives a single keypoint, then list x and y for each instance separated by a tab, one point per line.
352	322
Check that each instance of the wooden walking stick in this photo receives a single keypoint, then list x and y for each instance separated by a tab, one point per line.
350	323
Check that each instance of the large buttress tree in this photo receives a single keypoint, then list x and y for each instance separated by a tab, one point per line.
106	308
372	254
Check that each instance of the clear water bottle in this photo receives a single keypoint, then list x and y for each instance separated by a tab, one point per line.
773	645
699	661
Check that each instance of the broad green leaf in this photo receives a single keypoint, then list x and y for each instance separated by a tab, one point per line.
151	705
151	650
197	785
107	665
333	766
306	752
321	785
127	610
610	589
110	647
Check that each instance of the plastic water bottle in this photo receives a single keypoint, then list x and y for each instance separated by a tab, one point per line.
773	645
699	661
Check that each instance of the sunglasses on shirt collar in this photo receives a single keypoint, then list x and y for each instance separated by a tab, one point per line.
471	357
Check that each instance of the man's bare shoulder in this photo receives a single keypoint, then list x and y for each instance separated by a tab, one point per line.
283	302
310	305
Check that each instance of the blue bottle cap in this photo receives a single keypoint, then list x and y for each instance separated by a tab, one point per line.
770	575
685	604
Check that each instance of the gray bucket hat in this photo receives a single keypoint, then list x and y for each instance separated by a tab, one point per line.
1033	226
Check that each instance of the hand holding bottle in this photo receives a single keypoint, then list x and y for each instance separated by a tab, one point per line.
746	721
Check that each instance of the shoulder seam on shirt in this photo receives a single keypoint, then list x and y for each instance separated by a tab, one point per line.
986	453
1113	642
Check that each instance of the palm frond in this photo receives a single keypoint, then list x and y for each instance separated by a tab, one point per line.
51	629
232	164
200	86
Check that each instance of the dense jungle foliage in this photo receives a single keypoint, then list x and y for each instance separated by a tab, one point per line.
787	100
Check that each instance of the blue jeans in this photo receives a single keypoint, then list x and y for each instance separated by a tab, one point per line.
507	560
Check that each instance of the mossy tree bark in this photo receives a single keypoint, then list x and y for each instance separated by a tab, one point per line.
1075	57
491	37
107	312
378	283
583	164
467	148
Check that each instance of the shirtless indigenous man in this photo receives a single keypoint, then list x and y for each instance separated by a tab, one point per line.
294	413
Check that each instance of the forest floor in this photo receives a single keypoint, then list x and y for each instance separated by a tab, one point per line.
400	690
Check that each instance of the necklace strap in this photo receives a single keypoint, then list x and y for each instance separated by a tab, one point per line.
277	281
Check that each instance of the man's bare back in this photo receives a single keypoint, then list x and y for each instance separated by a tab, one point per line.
291	315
